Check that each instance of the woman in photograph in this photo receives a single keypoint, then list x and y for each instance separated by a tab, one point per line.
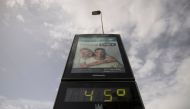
97	59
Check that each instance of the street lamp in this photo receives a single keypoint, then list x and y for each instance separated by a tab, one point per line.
98	12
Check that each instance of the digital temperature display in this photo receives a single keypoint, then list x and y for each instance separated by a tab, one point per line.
97	94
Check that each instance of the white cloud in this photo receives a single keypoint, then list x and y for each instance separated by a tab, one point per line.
45	4
169	63
169	67
145	16
55	45
20	2
137	13
136	63
56	34
136	45
177	96
3	69
12	3
20	18
34	2
147	69
48	25
154	53
182	74
6	103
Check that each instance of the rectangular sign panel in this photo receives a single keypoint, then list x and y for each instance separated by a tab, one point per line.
97	56
87	94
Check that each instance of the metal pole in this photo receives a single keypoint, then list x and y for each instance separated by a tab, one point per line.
102	24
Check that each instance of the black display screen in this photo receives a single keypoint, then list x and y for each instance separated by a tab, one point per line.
97	95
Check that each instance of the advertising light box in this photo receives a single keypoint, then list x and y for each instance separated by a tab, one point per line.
97	56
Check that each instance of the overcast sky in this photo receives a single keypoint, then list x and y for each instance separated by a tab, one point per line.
36	36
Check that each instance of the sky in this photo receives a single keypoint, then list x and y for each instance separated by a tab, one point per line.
36	36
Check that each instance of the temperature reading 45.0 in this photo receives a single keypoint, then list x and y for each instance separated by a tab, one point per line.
108	94
97	94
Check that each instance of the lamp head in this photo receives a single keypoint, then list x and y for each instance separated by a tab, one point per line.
96	12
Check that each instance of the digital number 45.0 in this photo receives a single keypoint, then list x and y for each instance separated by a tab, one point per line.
107	94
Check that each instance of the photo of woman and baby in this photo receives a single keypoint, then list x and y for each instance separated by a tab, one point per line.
97	59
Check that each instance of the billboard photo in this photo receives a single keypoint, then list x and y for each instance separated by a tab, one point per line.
97	55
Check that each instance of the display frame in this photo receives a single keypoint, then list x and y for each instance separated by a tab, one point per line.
127	75
135	103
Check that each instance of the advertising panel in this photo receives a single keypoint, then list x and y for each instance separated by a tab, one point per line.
97	55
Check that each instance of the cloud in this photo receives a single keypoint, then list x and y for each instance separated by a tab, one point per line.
136	63
12	3
177	95
147	69
20	18
6	103
155	34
